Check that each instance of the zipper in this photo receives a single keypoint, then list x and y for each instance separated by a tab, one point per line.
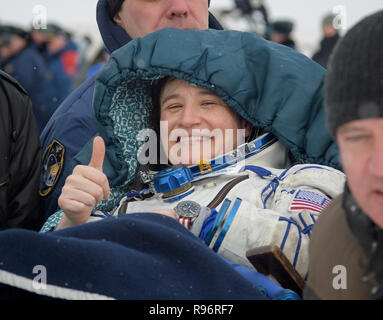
225	190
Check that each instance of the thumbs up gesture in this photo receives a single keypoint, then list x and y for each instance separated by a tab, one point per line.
84	188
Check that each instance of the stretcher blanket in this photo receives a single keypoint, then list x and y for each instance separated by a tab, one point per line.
139	256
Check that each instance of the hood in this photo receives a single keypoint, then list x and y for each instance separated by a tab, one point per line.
270	85
115	37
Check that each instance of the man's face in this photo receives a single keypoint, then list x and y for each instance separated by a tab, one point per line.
329	31
278	37
196	124
39	37
361	147
141	17
15	45
56	43
5	52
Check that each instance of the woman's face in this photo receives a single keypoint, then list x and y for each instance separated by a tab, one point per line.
196	124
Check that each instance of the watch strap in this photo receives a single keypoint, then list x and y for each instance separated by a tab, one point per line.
186	222
199	221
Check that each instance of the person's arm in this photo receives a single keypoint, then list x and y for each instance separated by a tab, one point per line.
71	126
84	188
24	166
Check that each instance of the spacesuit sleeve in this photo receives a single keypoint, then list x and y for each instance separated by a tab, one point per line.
282	212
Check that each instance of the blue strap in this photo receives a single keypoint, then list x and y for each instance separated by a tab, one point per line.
207	225
273	185
218	220
227	225
262	172
290	222
137	193
132	195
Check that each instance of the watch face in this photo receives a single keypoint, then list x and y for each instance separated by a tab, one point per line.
188	209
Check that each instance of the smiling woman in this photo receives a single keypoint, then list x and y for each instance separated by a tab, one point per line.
196	123
250	192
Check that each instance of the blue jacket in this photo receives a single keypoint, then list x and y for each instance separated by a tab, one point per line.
29	69
62	70
73	124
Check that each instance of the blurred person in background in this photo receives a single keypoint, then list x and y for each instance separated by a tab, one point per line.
21	60
83	44
62	62
92	66
328	42
39	38
256	13
98	62
280	32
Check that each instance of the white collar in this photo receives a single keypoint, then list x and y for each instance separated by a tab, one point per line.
265	151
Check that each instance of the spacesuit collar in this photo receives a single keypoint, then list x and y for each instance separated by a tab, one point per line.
266	151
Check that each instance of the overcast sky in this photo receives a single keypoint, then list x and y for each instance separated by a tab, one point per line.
79	15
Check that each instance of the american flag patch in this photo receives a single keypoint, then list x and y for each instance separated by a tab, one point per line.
309	200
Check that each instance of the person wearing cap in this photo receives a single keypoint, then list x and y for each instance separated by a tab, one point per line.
280	33
20	159
39	38
327	44
62	62
119	21
21	60
346	249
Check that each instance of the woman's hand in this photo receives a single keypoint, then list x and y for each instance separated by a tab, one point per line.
84	188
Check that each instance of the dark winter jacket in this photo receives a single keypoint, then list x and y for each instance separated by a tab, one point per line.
73	124
327	45
346	254
20	159
29	69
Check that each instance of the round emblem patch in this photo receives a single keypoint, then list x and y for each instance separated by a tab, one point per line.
53	163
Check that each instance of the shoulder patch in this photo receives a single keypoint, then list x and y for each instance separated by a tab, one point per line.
313	201
52	166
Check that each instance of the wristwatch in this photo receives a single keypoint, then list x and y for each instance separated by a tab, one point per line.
186	212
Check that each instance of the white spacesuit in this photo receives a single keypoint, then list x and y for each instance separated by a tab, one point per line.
253	203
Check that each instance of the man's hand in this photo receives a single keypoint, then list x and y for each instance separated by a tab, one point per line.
84	188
